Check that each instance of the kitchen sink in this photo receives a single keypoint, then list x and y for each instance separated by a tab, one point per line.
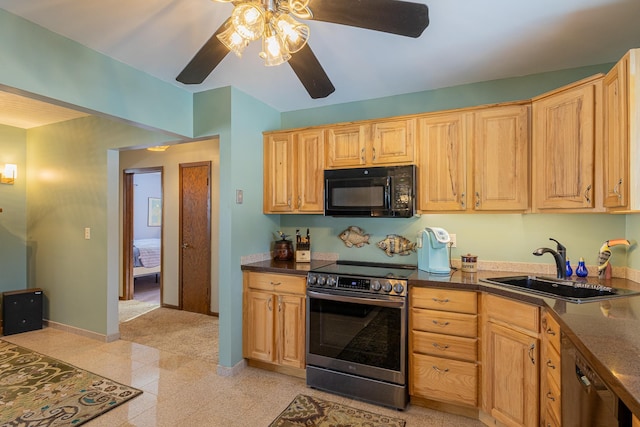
569	290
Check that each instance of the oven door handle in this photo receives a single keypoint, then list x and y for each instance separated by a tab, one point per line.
356	300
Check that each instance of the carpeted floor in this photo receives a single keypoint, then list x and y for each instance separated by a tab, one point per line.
38	390
306	411
175	331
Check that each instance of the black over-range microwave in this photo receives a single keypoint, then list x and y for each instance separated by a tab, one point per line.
374	192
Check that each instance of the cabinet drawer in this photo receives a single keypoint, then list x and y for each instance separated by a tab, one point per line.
443	379
512	313
442	322
551	330
445	346
278	282
551	399
445	299
551	365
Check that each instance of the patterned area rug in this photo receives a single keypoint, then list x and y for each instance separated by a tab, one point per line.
310	411
37	390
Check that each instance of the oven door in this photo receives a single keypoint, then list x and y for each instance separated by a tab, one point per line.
359	336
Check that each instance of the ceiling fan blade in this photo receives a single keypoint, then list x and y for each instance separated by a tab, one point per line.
205	60
311	74
390	16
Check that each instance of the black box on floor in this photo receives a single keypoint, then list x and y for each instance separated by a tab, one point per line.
21	311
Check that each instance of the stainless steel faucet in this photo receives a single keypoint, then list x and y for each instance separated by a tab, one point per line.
560	255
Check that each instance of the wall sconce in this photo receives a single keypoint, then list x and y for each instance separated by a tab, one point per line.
8	176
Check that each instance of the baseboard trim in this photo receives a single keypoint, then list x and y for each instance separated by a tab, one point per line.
82	332
225	371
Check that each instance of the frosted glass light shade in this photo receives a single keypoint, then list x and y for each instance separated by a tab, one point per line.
248	20
233	41
273	50
294	34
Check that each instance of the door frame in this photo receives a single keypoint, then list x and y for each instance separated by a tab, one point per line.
127	229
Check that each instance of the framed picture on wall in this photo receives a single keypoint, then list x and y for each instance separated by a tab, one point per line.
155	212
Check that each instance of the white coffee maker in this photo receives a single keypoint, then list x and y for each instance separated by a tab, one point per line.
433	256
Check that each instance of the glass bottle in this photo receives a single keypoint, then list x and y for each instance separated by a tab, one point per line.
569	269
581	269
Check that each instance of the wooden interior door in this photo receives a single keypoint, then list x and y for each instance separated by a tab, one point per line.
195	237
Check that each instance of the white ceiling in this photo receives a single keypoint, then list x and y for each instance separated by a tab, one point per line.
467	41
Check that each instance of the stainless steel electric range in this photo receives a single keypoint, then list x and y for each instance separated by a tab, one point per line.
357	331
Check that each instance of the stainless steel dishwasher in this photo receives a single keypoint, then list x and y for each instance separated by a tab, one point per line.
586	400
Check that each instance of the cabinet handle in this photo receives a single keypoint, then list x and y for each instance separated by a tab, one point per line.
362	155
586	194
550	364
441	301
477	199
616	189
289	202
435	322
531	348
462	201
442	371
551	332
441	347
269	305
279	304
374	153
299	201
275	283
550	396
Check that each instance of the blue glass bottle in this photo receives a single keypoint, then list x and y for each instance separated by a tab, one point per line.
581	269
569	269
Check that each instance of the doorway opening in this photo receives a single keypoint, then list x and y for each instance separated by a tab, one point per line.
142	235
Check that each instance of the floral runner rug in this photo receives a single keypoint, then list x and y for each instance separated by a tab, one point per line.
37	390
311	411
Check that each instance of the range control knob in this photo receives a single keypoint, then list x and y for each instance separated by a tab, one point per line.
375	286
331	281
321	280
398	288
386	287
312	280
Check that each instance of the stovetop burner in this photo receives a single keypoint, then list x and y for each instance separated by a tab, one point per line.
368	269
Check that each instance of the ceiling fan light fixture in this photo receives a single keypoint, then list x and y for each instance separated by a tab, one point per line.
233	40
249	20
274	52
294	34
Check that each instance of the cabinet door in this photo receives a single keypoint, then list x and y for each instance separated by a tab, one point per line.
501	158
616	136
259	334
279	183
564	148
442	162
291	330
393	142
345	146
510	376
309	168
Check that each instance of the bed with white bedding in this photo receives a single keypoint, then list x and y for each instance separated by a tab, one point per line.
146	257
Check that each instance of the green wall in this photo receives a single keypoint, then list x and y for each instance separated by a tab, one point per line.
13	203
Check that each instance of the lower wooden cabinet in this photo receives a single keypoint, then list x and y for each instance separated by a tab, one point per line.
274	320
510	360
443	346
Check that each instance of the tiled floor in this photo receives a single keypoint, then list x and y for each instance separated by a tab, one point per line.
183	391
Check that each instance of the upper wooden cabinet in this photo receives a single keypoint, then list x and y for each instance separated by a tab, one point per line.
621	95
378	143
442	159
475	160
293	172
500	152
567	146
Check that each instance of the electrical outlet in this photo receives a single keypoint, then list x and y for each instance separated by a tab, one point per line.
453	242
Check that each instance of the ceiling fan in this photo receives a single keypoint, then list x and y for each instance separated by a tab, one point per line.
271	20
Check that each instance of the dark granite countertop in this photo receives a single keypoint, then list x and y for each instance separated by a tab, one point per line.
606	332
